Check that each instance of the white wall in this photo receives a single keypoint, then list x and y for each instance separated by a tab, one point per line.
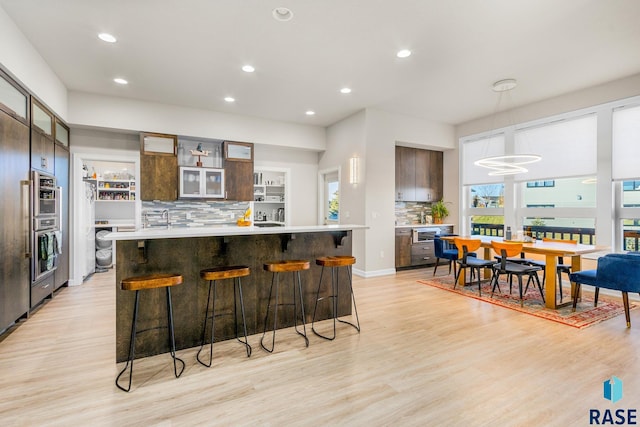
25	63
346	139
600	94
119	113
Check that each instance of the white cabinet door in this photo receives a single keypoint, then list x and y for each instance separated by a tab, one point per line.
204	183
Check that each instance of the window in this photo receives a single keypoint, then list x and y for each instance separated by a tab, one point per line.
564	193
534	184
487	196
625	152
631	185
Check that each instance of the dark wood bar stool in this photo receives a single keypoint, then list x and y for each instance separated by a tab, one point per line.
277	267
213	275
137	284
335	262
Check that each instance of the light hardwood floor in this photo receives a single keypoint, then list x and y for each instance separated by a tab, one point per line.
424	357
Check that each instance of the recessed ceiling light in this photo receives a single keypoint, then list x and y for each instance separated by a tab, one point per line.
106	37
504	85
229	99
310	113
403	53
248	69
282	14
345	90
120	81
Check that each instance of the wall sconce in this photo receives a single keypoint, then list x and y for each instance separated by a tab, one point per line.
354	170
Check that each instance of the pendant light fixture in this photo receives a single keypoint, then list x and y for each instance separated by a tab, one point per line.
508	164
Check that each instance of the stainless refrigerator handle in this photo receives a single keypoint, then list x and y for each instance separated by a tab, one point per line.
26	215
59	207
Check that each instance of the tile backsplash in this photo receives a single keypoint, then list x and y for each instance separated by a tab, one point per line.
186	213
409	213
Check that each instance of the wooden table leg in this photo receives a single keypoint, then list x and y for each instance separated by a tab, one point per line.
487	271
550	281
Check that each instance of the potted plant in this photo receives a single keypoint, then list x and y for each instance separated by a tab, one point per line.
439	211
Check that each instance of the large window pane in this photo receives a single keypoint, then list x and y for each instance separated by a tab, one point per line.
631	234
581	229
486	196
560	193
631	194
479	149
487	225
626	143
567	147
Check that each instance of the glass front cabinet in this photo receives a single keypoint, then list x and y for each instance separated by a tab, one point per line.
203	183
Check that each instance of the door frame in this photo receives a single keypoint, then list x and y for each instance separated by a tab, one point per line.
322	174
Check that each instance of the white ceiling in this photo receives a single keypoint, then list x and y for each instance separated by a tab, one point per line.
189	52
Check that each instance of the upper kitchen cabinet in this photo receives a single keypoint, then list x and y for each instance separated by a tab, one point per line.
428	175
61	133
42	151
238	169
158	167
405	174
14	100
418	175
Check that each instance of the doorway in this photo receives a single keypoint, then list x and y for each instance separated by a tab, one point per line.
329	196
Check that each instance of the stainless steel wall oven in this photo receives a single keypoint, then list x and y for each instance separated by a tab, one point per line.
46	242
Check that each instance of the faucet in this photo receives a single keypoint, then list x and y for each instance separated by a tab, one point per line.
165	214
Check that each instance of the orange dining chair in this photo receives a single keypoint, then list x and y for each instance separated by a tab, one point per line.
468	259
561	266
506	250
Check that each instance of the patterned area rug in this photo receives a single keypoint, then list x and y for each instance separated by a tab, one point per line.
585	315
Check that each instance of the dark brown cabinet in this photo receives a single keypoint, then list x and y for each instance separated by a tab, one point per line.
14	186
418	175
42	151
238	171
403	247
158	167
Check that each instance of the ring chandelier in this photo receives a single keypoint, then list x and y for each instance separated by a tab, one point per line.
507	164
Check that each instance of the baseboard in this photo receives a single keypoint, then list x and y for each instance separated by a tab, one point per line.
376	273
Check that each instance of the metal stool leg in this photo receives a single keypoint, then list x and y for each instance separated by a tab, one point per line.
295	309
333	307
132	347
204	326
274	280
353	298
244	322
172	337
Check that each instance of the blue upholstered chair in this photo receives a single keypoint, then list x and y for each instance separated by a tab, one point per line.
446	250
620	272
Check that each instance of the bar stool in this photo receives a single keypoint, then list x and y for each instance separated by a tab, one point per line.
335	262
213	275
277	267
137	284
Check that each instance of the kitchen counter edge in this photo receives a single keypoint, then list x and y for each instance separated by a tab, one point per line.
182	232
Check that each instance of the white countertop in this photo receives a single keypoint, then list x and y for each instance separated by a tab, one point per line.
423	225
182	232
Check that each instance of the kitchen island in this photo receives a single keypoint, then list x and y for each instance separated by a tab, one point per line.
187	250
